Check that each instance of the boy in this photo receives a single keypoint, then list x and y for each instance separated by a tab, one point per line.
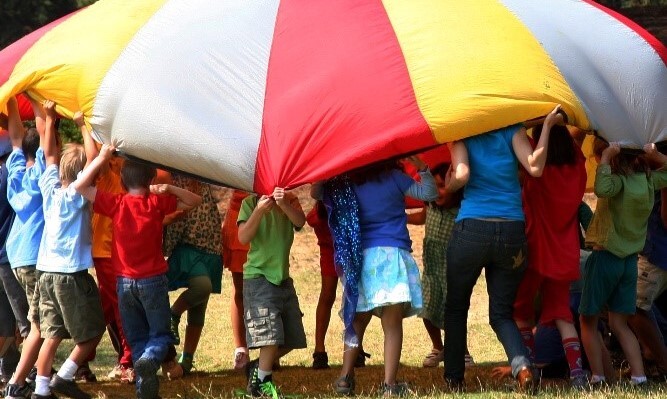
272	313
137	259
25	166
69	302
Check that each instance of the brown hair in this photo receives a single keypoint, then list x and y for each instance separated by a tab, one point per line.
72	161
136	175
30	143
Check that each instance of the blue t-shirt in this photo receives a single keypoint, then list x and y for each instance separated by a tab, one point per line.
655	248
26	200
67	240
6	214
493	189
382	215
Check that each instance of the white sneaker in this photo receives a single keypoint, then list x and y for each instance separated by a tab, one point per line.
434	358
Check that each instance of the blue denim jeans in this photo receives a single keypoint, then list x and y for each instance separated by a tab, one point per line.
145	315
500	248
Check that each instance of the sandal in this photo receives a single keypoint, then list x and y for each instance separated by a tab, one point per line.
344	385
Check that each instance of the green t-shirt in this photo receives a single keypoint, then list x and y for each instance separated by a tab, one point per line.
269	249
624	205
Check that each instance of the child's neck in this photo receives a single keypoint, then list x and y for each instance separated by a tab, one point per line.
64	183
138	191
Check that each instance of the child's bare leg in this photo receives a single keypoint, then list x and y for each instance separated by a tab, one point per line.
323	312
608	366
192	336
649	337
619	326
592	343
46	355
29	353
236	311
82	350
392	326
350	354
434	333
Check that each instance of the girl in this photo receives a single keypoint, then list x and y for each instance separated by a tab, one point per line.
388	285
625	187
490	234
438	216
551	205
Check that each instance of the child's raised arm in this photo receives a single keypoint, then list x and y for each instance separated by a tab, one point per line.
15	126
248	229
50	146
84	183
534	160
89	145
40	118
186	199
459	171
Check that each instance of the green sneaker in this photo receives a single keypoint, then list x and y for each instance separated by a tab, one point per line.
264	388
175	321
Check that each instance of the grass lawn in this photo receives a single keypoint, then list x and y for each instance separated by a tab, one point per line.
214	378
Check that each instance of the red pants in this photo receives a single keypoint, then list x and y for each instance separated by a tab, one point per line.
106	280
555	298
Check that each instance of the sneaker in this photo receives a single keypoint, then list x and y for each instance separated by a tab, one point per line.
148	383
186	363
361	358
49	396
85	374
264	389
172	370
241	358
14	391
579	382
127	375
32	375
434	358
175	321
320	360
251	369
468	359
116	372
398	389
67	388
344	385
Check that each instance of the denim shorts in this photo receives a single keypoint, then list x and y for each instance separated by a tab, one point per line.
272	314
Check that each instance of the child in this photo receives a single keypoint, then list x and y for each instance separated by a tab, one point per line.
551	204
272	314
69	302
317	219
625	188
137	258
25	166
438	216
388	285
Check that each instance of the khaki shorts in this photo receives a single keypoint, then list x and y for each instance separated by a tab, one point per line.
272	314
69	306
28	277
651	282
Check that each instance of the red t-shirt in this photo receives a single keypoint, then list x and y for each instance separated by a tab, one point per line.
136	250
551	204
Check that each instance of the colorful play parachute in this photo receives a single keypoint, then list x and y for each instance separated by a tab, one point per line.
255	94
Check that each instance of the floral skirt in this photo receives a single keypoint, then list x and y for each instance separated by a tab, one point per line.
389	276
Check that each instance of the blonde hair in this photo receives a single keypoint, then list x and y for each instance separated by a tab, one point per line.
72	161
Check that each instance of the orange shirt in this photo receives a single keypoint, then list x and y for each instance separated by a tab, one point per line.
107	181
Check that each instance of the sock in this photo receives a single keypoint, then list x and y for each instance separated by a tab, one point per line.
572	348
528	341
42	385
261	374
597	378
67	370
637	380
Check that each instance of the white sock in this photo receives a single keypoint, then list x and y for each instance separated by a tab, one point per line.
42	385
261	374
637	380
597	378
67	370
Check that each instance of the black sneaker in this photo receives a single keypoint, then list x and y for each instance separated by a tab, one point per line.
32	375
398	389
264	388
320	360
85	374
14	391
361	358
146	375
251	369
67	388
49	396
